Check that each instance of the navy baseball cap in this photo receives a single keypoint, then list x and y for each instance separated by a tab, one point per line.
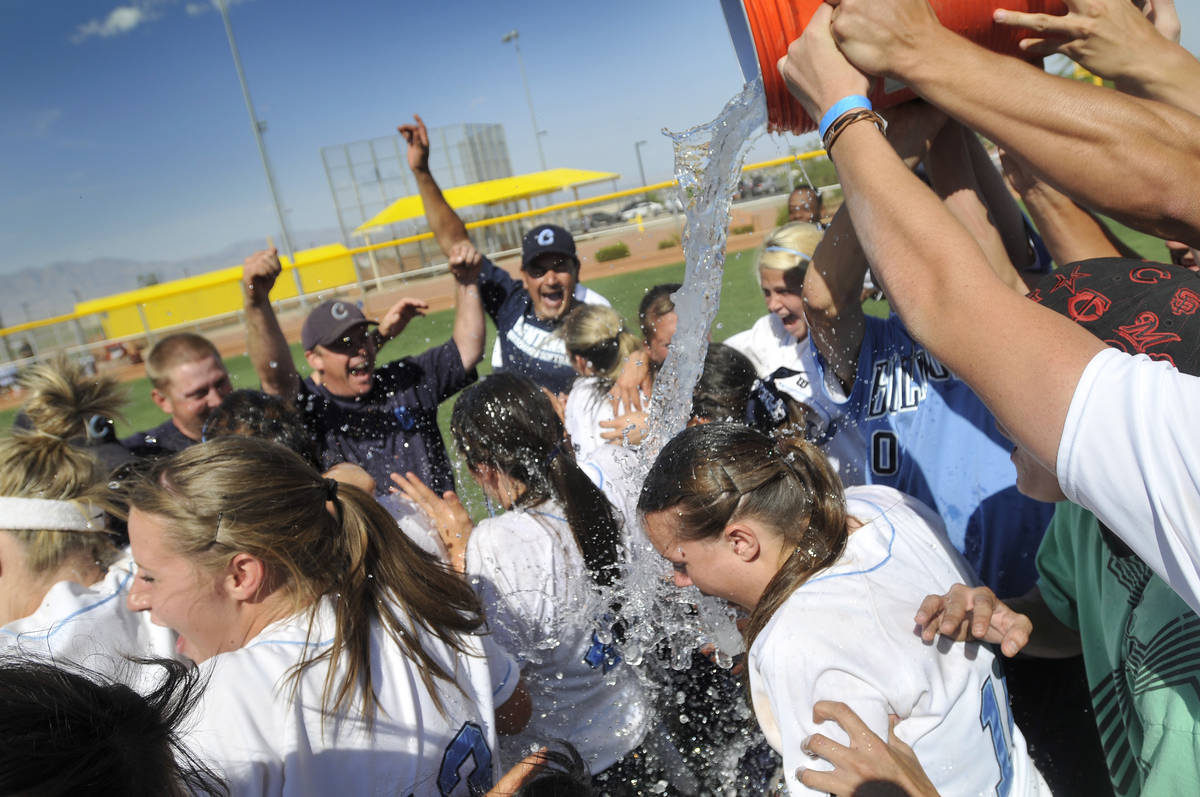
547	239
329	321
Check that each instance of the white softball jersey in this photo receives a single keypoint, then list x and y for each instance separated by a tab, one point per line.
1129	453
544	609
268	737
793	366
847	634
92	628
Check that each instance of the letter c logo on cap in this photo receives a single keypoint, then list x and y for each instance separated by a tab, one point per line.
338	311
546	237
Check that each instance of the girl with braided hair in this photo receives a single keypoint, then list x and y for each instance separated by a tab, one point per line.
829	578
542	570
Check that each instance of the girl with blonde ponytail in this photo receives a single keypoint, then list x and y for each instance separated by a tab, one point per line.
63	578
340	657
831	579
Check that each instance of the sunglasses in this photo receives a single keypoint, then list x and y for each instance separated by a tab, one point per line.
538	268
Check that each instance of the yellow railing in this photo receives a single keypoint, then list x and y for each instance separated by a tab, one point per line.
187	286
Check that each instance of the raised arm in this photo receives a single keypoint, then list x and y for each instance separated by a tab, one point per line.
1005	346
470	330
1070	232
833	283
955	179
447	227
1084	139
1136	48
833	298
269	351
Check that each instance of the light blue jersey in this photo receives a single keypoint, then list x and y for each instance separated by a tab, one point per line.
928	435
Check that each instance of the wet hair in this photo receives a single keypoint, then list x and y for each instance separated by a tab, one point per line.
182	347
242	494
598	334
789	247
654	305
506	422
40	461
564	774
805	188
66	732
724	386
252	413
714	474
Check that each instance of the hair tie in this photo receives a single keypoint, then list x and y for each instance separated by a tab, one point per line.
331	490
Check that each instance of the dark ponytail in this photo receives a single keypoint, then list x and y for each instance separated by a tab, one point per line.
507	423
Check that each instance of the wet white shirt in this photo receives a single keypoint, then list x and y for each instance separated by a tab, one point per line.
266	739
91	627
543	608
847	634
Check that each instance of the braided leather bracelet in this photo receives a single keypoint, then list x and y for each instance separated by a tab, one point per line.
847	119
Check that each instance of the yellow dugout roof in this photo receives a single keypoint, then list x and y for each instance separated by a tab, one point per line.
490	192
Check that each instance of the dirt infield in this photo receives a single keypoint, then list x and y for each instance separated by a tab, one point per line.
438	291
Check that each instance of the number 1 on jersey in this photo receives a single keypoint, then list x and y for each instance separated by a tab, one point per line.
995	717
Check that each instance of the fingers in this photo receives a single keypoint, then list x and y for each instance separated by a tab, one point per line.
411	485
1016	634
927	615
843	715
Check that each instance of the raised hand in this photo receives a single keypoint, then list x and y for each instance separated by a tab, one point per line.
399	314
465	262
417	138
446	512
259	272
1109	38
816	72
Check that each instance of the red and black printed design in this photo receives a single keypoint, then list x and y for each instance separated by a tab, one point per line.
1132	305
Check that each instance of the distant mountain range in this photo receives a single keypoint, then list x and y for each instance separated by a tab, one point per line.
34	293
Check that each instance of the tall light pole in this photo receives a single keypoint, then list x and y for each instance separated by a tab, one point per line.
511	36
257	128
637	147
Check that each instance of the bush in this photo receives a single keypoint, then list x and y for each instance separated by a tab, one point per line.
668	243
614	252
741	229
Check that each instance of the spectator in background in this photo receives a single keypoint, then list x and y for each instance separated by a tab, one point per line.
383	419
804	204
189	381
657	317
527	312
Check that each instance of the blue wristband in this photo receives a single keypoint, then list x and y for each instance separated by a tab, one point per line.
848	103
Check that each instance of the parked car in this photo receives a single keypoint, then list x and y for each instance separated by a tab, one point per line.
601	218
644	208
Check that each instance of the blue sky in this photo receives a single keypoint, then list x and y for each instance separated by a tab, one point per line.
126	135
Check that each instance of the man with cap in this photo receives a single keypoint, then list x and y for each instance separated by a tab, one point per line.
384	418
527	312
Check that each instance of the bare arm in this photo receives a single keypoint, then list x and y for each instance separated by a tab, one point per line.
268	348
445	224
1070	232
952	172
470	330
1082	138
1004	346
833	283
832	298
1135	48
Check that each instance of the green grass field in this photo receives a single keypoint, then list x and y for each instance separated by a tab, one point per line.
741	304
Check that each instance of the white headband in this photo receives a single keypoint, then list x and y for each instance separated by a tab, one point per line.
42	513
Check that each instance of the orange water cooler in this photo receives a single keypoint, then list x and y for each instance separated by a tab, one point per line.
762	30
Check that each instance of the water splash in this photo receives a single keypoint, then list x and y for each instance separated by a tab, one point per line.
708	162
